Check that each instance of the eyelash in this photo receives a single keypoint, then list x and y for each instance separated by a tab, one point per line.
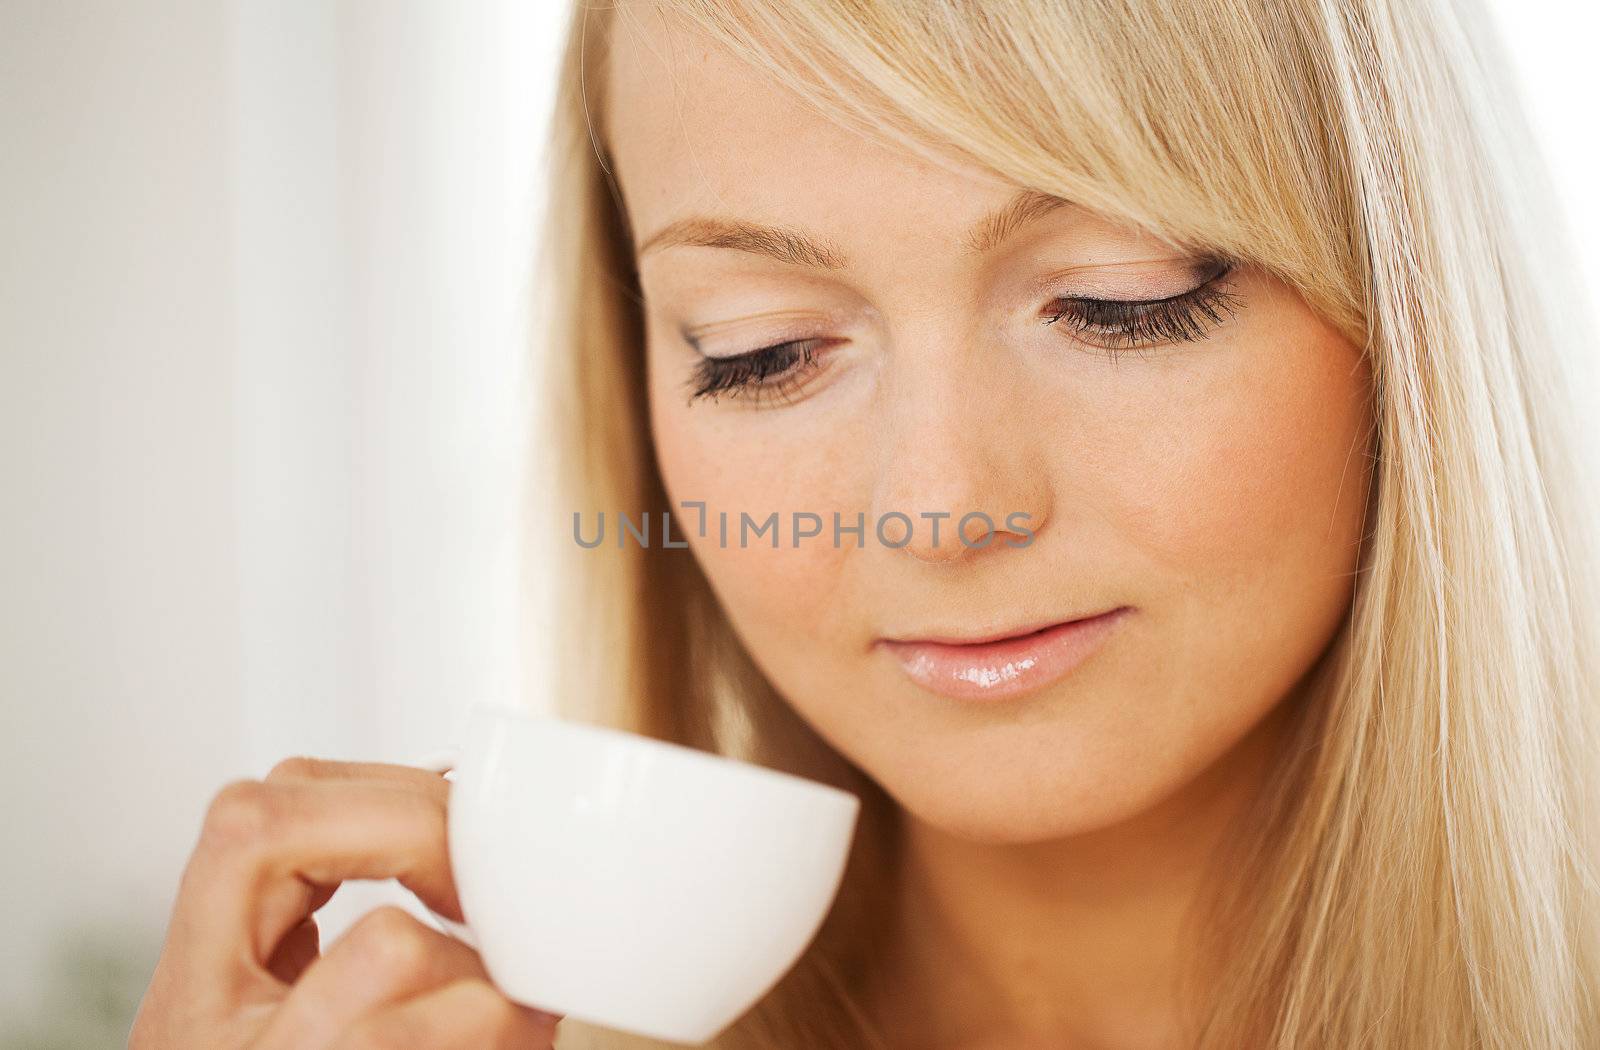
1125	324
1140	324
772	370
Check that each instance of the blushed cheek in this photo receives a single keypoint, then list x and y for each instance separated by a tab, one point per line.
1262	473
1251	533
776	594
715	459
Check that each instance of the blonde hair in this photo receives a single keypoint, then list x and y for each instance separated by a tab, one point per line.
1419	870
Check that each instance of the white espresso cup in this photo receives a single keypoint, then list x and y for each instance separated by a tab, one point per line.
632	883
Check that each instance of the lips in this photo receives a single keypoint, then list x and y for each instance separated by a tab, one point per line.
999	667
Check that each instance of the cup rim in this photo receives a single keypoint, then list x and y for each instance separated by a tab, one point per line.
676	751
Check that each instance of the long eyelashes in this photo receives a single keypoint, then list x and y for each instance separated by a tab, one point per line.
1115	325
1112	325
772	370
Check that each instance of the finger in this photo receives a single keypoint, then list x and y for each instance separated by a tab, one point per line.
306	767
295	952
466	1014
386	956
268	852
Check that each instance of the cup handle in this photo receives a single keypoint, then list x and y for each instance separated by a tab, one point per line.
443	761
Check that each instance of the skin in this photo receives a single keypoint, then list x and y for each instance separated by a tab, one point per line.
1215	486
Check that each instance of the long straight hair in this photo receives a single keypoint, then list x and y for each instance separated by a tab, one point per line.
1419	869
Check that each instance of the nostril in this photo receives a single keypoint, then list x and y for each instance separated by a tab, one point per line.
944	535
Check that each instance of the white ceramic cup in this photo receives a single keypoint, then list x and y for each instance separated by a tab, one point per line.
633	883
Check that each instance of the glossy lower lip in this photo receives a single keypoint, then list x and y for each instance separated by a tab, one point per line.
1006	668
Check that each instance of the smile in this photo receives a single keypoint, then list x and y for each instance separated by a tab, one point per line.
1003	667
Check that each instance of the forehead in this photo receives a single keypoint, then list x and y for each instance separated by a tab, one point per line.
692	128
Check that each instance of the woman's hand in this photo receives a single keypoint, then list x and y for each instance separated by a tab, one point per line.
241	969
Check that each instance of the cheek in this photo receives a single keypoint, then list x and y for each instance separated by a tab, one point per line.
1222	495
1252	478
742	461
1239	502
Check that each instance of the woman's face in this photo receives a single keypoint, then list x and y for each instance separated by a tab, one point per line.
1200	466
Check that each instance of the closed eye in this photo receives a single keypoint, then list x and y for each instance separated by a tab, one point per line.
1116	325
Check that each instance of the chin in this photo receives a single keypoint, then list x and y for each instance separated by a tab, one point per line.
1019	803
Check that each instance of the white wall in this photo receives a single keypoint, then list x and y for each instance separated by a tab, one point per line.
384	200
262	416
261	353
383	176
119	639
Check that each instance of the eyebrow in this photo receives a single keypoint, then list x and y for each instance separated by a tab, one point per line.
796	249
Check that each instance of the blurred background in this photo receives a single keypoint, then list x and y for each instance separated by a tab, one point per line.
265	293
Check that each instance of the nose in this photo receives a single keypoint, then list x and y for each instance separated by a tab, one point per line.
958	470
